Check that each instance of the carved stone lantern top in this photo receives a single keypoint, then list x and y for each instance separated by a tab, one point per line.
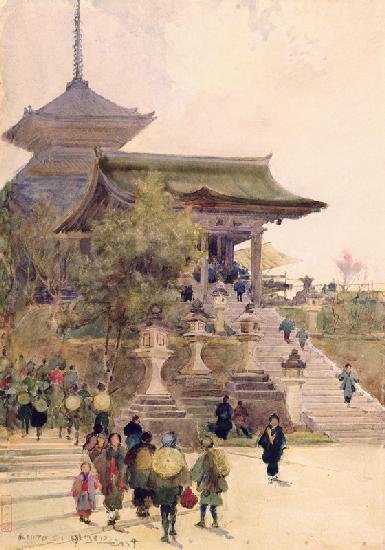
294	367
154	332
197	317
249	321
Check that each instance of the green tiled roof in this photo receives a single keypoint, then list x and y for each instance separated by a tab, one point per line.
233	179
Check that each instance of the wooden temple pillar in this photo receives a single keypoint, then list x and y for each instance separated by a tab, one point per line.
229	253
219	248
204	267
256	272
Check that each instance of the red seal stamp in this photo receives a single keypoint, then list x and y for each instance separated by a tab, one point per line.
6	513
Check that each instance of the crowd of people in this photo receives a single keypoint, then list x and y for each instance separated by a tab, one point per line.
48	393
157	477
160	476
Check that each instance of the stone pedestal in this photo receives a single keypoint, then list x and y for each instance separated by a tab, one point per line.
199	393
292	381
311	318
220	304
220	295
249	337
196	337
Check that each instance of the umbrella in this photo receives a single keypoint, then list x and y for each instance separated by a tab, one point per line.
271	257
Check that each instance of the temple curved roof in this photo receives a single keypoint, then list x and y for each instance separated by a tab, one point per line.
191	179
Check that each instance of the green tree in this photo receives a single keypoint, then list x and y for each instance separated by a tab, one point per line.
136	257
7	260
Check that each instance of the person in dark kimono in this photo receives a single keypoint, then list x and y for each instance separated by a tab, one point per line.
133	432
39	415
138	461
273	443
84	491
24	415
287	327
240	289
349	381
110	468
224	413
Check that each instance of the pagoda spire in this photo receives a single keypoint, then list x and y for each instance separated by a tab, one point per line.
78	47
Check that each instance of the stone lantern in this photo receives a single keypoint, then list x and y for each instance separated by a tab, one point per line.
157	409
196	337
153	350
293	379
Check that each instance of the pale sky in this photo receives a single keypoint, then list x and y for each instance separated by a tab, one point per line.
303	79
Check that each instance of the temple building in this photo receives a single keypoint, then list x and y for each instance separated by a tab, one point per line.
78	171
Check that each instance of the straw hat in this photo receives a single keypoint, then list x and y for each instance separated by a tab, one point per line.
72	402
40	405
102	401
23	398
167	462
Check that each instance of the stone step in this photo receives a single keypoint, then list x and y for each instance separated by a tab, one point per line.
153	414
145	407
351	426
198	392
257	395
236	386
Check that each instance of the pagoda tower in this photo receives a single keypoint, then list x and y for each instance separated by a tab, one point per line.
63	136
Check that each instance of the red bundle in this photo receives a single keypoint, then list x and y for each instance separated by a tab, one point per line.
188	499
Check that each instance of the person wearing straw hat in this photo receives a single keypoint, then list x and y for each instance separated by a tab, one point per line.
102	399
25	412
39	413
209	472
139	461
169	475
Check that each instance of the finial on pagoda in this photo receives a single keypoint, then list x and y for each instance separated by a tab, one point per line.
78	51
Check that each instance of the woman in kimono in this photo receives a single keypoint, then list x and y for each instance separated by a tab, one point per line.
273	443
349	381
96	442
110	468
84	491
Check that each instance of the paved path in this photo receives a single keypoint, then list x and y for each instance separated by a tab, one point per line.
333	500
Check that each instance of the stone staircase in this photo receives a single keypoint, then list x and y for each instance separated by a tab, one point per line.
201	402
38	476
323	407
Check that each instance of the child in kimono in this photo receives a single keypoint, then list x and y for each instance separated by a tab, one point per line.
84	492
273	443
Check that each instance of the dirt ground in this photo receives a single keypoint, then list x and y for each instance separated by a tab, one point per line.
331	497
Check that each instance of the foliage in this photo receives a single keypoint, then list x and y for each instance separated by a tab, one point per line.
352	318
43	257
7	264
136	257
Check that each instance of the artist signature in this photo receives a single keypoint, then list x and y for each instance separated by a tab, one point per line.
79	538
